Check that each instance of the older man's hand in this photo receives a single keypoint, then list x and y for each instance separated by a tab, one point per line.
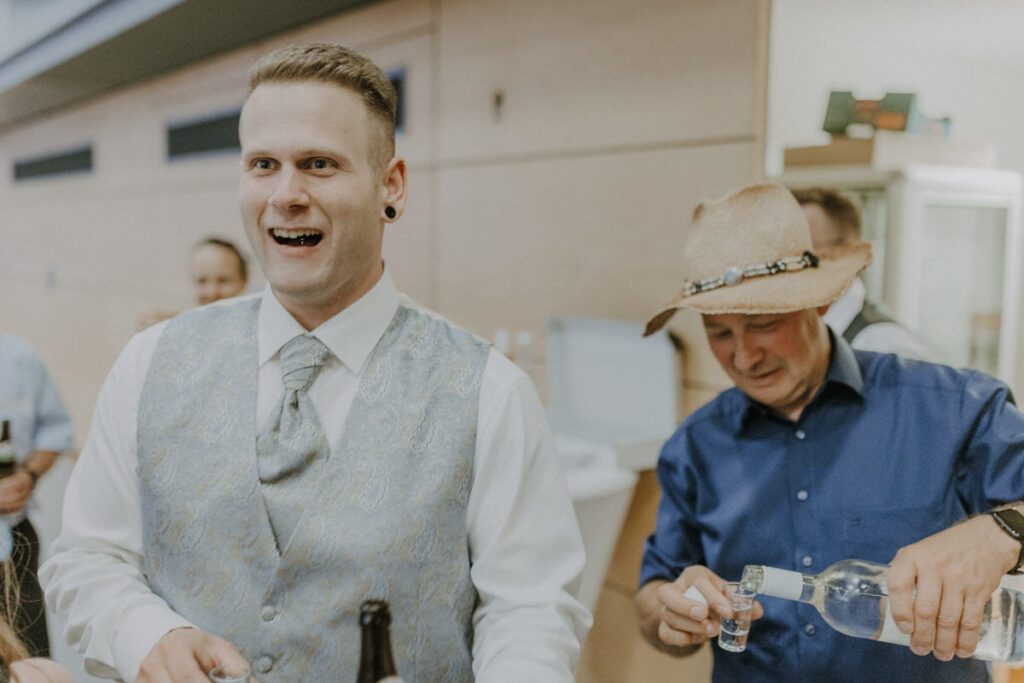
954	573
674	620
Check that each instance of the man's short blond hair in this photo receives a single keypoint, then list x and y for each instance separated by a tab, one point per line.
341	66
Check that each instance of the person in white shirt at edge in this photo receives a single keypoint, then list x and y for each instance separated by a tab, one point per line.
441	494
835	221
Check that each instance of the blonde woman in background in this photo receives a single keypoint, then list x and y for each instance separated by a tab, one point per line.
15	664
218	271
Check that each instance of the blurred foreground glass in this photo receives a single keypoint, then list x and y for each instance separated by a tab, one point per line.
734	632
230	673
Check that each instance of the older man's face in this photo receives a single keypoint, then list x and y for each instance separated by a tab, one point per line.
778	360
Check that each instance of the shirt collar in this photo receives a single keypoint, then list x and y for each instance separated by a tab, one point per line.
843	310
843	371
350	335
843	368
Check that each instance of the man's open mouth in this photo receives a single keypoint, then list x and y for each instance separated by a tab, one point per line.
297	238
763	376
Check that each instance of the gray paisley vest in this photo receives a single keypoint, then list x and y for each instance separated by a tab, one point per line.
385	517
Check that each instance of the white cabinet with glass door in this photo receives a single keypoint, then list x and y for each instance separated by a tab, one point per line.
947	250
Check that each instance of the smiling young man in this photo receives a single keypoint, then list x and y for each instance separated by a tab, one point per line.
258	468
821	453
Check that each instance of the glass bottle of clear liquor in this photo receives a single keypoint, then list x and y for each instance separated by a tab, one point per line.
852	598
8	456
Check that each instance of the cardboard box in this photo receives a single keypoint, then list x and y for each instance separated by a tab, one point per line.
888	150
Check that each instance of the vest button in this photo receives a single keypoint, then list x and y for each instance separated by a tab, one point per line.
264	664
268	613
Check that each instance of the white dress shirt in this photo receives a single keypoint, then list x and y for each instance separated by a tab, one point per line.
524	542
882	337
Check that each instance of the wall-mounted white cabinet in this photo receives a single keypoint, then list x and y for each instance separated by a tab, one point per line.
947	247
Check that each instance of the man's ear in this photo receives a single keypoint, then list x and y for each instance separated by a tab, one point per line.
822	310
392	188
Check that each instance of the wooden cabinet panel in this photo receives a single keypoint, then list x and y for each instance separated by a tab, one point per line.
597	74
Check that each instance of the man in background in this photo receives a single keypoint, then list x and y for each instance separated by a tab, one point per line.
835	221
40	430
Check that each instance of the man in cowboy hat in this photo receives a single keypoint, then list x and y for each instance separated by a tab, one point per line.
818	454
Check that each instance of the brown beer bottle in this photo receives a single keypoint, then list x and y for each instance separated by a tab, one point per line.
8	456
376	663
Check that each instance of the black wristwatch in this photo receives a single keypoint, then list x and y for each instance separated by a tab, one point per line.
1012	522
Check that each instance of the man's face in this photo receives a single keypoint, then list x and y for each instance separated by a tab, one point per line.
825	234
216	273
310	196
778	360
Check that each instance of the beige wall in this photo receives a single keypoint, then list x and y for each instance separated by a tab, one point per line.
617	119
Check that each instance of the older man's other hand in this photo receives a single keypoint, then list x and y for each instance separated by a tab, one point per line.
954	574
674	621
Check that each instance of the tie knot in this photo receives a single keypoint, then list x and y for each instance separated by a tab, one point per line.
301	359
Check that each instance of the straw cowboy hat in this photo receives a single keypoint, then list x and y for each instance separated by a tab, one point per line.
750	252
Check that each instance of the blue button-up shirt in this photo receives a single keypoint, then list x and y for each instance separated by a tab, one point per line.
888	451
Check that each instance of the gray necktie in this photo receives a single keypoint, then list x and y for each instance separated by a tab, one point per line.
293	436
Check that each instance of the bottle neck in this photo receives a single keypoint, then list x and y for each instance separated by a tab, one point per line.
807	588
377	661
780	583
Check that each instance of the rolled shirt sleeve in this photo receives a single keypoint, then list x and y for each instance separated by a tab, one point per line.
53	429
30	401
525	545
991	470
675	543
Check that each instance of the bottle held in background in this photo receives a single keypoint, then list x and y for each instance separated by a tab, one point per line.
852	597
376	663
8	457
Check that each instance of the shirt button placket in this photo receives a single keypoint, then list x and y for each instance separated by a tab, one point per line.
802	494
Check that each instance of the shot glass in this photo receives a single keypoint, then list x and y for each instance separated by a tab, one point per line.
734	631
230	673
